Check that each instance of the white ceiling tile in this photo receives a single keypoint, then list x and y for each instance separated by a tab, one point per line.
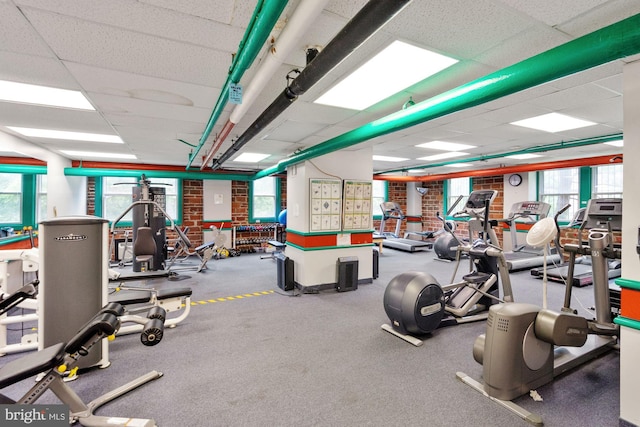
553	13
38	70
148	19
17	35
80	41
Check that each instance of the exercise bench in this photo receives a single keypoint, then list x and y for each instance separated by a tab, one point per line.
155	303
278	247
52	365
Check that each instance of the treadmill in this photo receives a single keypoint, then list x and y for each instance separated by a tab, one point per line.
524	256
604	213
391	210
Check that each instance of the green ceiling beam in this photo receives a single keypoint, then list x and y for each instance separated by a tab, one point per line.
607	44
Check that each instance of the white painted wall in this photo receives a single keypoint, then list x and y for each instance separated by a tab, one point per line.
66	195
630	338
318	267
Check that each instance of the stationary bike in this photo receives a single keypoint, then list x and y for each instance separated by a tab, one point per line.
417	304
526	346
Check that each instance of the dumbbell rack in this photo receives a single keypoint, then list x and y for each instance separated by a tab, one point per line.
246	238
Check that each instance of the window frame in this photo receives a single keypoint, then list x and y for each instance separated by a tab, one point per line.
583	194
100	194
277	202
374	206
594	175
446	197
27	202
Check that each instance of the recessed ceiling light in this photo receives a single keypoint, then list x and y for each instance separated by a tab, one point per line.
459	165
443	156
397	67
415	170
553	122
446	146
251	157
60	134
523	156
616	143
94	154
43	95
389	159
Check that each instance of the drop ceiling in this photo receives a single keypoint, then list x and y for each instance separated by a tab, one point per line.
154	69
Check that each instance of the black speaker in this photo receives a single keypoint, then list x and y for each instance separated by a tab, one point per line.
347	274
284	267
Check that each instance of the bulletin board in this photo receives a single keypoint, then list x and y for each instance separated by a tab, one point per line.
325	197
357	205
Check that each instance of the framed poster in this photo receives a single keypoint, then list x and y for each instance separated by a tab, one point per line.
325	196
357	205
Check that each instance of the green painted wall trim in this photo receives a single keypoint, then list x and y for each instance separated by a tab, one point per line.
25	169
13	239
607	44
29	184
99	172
585	185
325	248
628	283
629	323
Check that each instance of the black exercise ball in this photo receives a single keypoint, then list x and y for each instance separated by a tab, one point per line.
414	302
443	247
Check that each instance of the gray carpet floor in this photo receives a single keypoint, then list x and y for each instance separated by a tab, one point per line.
269	358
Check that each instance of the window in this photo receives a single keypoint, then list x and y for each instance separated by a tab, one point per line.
10	198
41	198
264	199
455	188
559	187
117	196
606	181
378	195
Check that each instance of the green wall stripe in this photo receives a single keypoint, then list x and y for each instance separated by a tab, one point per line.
629	323
325	248
628	283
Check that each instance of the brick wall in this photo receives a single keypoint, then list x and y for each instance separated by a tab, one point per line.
433	203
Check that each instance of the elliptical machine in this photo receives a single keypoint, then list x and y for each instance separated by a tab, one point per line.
417	304
521	351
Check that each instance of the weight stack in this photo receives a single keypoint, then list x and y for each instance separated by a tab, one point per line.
74	255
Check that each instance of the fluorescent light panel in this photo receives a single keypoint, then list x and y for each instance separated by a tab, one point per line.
459	165
446	146
443	156
61	134
85	154
43	95
389	159
616	143
523	156
553	122
397	67
250	157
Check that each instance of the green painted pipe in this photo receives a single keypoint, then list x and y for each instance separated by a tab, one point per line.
549	147
25	169
599	47
99	172
262	22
